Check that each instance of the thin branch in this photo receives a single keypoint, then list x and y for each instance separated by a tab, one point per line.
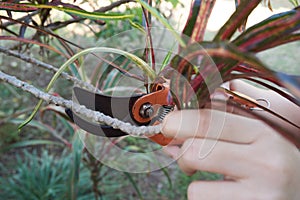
82	110
30	15
9	31
113	5
48	67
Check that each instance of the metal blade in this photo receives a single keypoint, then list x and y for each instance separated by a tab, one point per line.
117	107
93	128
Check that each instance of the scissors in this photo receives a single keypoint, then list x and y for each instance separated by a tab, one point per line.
138	109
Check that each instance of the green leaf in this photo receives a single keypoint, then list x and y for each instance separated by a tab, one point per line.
284	40
166	173
134	184
225	56
190	24
236	20
27	143
163	20
272	30
222	50
33	123
77	148
137	26
167	58
294	2
196	25
77	12
174	2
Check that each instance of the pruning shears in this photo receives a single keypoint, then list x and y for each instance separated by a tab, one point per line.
138	109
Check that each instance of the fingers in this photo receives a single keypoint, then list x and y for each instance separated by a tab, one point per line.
212	124
278	103
172	150
248	89
214	156
225	190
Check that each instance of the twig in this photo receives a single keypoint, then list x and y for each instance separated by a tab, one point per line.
48	67
82	110
30	15
113	5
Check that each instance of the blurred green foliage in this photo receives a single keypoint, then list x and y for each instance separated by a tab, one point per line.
112	27
42	176
31	169
48	172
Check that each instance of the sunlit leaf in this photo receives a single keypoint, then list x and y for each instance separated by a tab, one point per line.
294	2
81	13
167	59
189	26
283	40
202	20
236	20
174	2
137	26
271	30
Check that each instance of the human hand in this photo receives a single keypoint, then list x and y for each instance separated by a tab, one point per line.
257	162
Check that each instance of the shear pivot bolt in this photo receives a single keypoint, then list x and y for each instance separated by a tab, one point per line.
146	110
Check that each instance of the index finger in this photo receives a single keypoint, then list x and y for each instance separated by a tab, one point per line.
212	124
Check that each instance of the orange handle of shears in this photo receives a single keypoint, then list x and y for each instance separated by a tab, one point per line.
155	99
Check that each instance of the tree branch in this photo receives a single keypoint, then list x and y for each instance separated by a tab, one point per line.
48	67
82	110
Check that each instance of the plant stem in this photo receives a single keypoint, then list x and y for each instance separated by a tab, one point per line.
48	67
82	110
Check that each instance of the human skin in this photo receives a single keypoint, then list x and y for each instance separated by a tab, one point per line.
256	161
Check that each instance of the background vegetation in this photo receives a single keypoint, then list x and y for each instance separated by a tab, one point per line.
46	160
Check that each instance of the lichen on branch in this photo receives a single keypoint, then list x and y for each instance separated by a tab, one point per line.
80	109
